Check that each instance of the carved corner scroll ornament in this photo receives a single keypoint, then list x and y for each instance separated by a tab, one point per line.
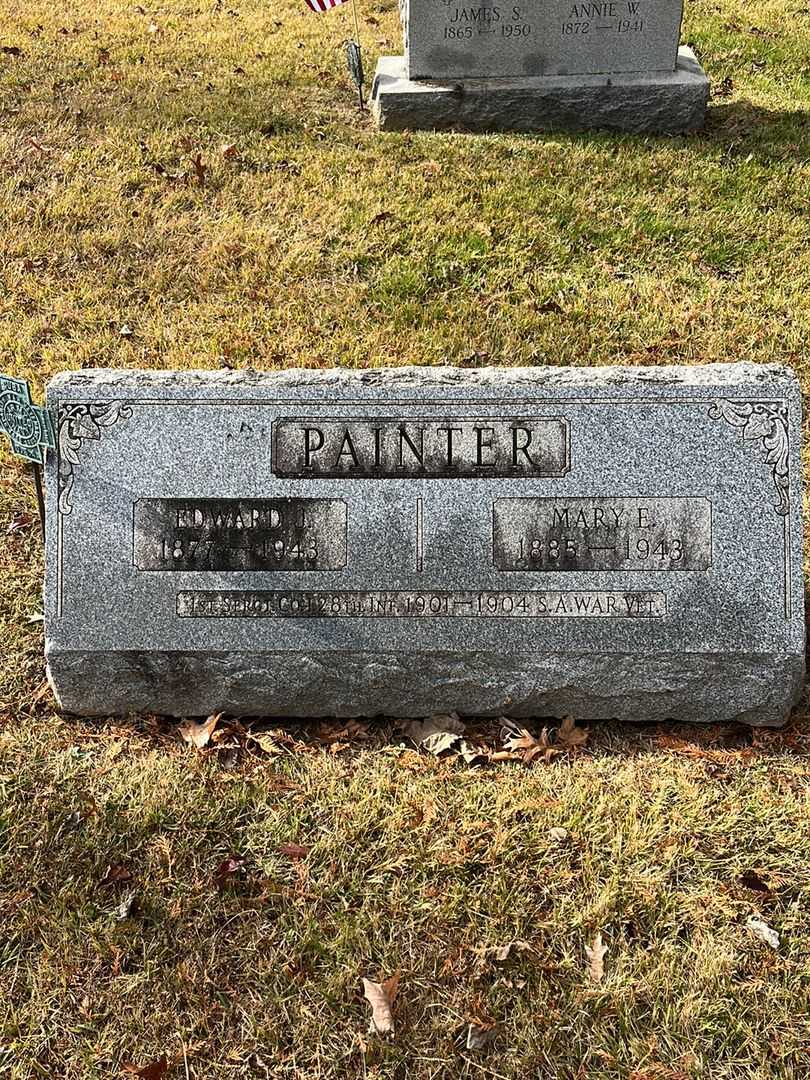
77	423
765	422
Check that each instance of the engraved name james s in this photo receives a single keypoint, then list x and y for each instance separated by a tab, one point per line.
380	448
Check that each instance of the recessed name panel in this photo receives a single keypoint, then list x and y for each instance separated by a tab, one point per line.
549	535
440	447
239	534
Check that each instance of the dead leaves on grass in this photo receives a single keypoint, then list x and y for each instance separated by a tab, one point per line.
21	521
199	735
549	743
154	1071
444	735
295	852
117	874
595	954
381	998
437	733
227	870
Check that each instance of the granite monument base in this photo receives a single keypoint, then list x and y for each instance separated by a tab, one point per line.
661	102
716	687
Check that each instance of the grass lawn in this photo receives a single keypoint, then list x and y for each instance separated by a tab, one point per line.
193	186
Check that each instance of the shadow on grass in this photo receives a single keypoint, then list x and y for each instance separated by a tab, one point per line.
770	134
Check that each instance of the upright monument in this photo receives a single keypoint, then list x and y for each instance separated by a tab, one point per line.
542	64
607	542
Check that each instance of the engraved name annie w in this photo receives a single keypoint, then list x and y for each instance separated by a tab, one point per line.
445	447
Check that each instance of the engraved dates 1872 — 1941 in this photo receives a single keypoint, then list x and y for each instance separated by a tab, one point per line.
441	447
240	534
602	534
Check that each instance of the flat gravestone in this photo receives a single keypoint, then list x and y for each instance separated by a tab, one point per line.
606	542
542	64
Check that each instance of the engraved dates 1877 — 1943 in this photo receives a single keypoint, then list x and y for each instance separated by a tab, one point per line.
602	534
240	534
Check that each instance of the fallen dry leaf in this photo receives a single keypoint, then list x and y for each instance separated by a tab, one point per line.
381	998
227	870
569	735
471	753
293	851
525	747
480	1035
127	907
689	748
268	741
764	932
199	735
153	1071
596	959
19	523
502	952
117	874
200	168
436	733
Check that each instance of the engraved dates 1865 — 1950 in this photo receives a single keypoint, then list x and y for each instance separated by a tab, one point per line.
602	534
240	534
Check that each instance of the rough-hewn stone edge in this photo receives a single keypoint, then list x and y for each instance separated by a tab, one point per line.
759	690
661	102
706	376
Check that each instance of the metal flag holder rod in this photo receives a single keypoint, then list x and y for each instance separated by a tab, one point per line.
29	428
354	58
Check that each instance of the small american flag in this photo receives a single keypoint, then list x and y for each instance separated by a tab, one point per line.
324	5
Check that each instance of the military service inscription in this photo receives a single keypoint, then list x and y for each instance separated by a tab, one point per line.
299	604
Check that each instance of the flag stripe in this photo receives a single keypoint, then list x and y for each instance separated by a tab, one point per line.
320	6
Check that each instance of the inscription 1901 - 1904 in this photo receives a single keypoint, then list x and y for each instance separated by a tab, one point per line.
239	534
404	604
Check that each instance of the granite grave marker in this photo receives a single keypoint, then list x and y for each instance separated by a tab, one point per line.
542	64
608	542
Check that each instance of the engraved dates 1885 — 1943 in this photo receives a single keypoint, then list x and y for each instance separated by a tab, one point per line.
240	534
602	534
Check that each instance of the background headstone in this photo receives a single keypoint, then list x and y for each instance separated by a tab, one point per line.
540	37
542	64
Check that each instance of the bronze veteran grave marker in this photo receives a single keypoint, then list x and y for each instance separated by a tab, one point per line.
608	542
